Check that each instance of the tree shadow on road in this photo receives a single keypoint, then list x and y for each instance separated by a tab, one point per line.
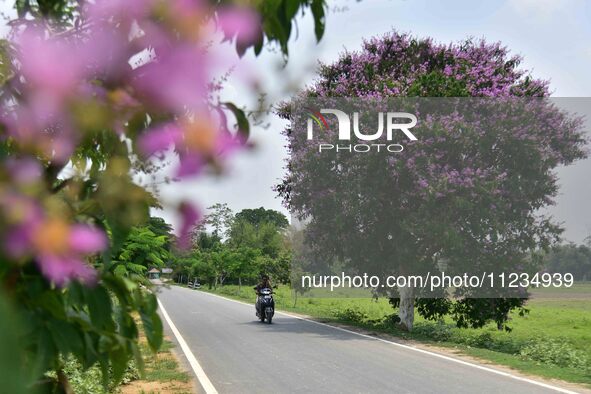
294	325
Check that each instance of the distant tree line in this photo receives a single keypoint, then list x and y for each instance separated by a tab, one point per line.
236	248
571	258
225	248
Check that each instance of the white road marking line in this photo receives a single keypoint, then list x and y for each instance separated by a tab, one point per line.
415	349
201	376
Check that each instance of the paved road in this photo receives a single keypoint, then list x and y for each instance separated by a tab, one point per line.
241	355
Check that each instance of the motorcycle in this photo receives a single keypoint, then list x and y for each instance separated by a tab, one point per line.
265	305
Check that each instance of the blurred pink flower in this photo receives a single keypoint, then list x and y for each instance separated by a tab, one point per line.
176	79
58	247
240	22
62	269
61	147
56	70
40	132
190	163
128	10
195	142
104	52
189	217
187	6
22	215
18	240
49	64
87	239
25	170
160	138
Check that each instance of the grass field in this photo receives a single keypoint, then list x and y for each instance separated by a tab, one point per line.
553	340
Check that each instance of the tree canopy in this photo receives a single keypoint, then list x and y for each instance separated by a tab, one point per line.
245	252
262	215
570	258
466	193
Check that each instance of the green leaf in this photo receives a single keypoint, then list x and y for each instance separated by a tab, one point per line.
90	351
119	360
99	307
139	360
258	46
65	336
275	30
291	9
15	379
5	62
241	119
119	234
53	303
319	19
46	351
151	303
120	270
126	323
121	287
153	329
103	360
136	268
151	321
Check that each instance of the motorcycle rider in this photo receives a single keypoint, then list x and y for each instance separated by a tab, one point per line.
265	283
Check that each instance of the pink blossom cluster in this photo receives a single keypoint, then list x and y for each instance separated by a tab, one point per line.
57	245
391	64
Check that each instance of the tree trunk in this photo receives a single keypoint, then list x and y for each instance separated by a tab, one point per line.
239	284
406	310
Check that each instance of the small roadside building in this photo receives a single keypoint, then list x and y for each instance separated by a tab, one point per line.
166	274
154	273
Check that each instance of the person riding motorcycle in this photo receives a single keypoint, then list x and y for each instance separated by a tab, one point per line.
265	283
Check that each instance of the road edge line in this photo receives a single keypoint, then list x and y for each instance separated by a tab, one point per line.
416	349
197	369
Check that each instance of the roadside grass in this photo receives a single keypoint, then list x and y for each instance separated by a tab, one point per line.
163	375
552	341
162	367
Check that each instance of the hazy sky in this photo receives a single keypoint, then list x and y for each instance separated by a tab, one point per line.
554	37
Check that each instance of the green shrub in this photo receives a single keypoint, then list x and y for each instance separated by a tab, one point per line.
434	331
491	339
391	320
498	343
90	380
353	315
554	351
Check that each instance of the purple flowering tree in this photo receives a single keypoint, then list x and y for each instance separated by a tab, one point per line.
466	194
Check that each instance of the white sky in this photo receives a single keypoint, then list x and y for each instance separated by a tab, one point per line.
554	36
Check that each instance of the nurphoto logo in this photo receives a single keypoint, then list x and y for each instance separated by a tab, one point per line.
395	123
